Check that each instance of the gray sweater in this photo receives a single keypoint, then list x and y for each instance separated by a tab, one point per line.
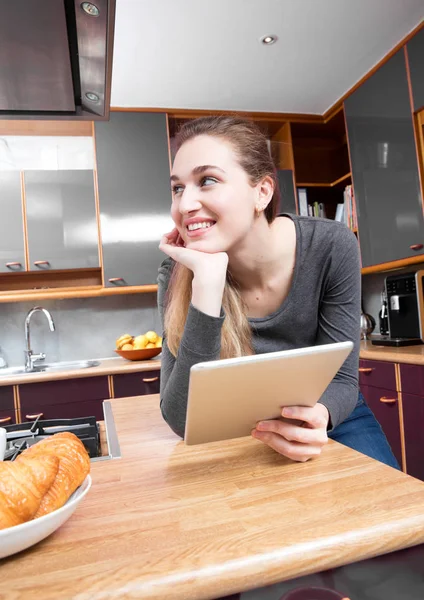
322	306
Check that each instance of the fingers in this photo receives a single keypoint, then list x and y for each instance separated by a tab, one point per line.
292	450
316	417
294	433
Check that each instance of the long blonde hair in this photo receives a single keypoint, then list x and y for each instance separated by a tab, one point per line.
253	155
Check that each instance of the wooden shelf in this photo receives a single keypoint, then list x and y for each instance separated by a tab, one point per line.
76	292
396	264
327	185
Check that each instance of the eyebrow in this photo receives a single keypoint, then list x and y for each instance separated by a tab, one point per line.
198	170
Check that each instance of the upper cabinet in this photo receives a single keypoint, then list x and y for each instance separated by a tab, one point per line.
415	49
134	195
384	166
61	219
12	252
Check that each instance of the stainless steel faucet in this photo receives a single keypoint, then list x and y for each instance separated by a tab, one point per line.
30	357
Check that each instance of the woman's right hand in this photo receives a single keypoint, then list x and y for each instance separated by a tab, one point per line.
209	272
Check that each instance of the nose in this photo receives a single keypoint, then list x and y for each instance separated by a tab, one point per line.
189	201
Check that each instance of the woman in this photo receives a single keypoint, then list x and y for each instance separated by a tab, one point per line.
240	280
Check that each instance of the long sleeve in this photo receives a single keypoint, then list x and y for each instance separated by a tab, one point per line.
339	320
201	342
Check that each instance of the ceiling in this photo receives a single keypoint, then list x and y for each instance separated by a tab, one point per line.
207	54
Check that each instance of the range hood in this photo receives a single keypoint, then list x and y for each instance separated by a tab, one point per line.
56	59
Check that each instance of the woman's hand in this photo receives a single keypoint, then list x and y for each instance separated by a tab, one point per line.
209	272
299	442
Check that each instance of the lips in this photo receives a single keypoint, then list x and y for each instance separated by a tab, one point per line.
197	226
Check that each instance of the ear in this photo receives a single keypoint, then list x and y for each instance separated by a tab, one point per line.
265	190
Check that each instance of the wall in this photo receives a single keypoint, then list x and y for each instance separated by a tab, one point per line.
85	328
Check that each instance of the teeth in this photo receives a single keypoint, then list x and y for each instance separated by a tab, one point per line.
194	226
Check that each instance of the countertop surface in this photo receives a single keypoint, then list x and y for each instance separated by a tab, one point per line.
114	366
198	522
413	355
108	366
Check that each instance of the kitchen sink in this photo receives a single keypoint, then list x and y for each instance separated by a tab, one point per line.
50	367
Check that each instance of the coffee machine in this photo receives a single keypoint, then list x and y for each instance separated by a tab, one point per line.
405	304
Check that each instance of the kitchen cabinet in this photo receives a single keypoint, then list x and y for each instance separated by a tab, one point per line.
12	254
134	195
385	406
61	219
413	424
384	166
136	384
64	399
7	406
415	49
287	193
377	373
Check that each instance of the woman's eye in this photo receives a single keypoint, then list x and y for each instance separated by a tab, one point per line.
208	181
177	189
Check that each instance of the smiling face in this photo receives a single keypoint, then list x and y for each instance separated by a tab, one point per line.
213	200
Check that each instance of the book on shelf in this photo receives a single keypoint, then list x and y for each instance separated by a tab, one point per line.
345	211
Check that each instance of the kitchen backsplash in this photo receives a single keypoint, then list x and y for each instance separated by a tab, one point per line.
85	328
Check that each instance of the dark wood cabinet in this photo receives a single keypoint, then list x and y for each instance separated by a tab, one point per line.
384	165
384	404
65	398
7	417
7	399
412	379
413	424
415	49
136	384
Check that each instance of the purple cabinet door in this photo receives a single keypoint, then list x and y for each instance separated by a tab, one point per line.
6	397
384	404
413	424
412	379
377	373
136	384
7	417
65	398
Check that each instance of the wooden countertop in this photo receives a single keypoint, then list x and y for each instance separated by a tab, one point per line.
413	355
108	366
198	522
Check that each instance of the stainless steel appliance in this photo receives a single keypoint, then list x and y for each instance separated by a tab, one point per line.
405	305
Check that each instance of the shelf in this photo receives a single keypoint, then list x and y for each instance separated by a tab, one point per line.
326	185
75	292
396	264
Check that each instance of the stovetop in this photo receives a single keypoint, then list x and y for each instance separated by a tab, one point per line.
23	435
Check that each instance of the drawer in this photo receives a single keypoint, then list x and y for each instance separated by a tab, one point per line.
376	373
92	408
412	379
66	391
136	384
6	398
7	417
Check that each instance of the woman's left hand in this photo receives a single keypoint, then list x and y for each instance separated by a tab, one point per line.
299	442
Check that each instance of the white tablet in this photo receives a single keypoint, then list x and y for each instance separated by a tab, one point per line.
228	397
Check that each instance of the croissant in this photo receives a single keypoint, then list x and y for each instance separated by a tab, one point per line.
23	485
74	466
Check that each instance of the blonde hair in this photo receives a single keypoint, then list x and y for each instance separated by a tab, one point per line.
253	155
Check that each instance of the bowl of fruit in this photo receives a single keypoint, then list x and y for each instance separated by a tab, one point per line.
139	347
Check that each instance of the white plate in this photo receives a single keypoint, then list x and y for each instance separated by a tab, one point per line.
17	538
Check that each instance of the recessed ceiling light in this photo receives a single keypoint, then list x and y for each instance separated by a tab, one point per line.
90	9
267	40
92	97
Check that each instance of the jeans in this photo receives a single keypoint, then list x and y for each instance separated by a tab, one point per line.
362	432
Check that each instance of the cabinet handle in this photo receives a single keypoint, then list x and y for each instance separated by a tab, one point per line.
5	420
417	246
385	400
11	265
115	279
150	379
366	369
41	263
33	417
